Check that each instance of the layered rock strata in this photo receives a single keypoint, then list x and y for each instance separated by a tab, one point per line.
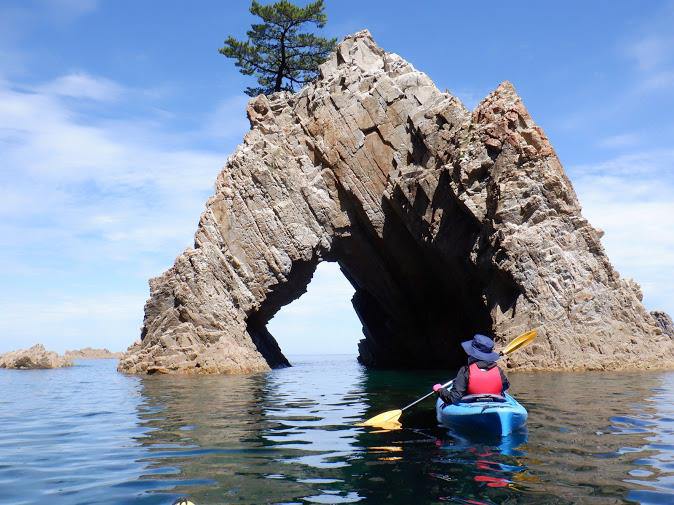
33	358
446	222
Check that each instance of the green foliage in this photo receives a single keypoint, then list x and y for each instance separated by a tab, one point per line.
276	52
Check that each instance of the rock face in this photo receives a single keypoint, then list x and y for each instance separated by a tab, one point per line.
445	221
664	322
90	353
35	357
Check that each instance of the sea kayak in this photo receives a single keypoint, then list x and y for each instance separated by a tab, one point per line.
498	415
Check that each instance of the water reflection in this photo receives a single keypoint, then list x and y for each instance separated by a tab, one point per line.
289	435
278	436
90	435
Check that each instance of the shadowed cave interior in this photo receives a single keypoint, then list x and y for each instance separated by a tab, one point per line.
417	295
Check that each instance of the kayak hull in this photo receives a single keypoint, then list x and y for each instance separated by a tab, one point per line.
494	418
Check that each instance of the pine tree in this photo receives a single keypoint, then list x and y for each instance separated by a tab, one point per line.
280	56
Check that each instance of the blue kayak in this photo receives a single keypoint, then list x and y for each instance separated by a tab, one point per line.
491	414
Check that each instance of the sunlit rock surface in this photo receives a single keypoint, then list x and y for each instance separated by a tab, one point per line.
91	353
664	322
446	222
33	358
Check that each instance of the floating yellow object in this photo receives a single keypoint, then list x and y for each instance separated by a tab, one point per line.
519	342
387	448
387	420
390	420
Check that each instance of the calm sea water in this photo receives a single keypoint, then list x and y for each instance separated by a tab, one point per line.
90	435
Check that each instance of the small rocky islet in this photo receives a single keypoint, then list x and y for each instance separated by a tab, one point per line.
91	353
37	357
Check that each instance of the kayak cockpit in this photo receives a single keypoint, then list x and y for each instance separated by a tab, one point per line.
485	415
483	398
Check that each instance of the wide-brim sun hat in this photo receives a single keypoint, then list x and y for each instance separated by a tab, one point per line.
480	347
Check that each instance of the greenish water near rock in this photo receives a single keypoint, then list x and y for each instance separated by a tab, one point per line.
90	435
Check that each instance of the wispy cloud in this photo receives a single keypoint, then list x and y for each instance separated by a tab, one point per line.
630	198
658	81
620	141
86	197
651	50
67	322
83	85
65	11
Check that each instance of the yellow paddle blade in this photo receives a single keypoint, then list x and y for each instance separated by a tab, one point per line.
519	342
387	448
387	420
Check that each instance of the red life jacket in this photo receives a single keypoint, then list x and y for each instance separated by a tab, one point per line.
484	382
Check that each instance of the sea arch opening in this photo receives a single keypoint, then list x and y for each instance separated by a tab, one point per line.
322	320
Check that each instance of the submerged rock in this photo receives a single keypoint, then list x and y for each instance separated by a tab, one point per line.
447	222
90	353
35	357
664	322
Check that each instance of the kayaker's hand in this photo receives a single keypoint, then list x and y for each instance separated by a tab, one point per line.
437	387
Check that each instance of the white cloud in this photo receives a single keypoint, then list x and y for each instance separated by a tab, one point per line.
65	322
69	167
658	81
651	51
630	198
89	201
83	85
620	141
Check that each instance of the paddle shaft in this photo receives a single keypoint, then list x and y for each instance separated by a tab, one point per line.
426	396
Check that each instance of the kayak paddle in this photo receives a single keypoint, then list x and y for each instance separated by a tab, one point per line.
389	420
521	341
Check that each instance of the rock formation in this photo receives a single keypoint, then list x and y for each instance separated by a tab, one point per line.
35	357
90	353
664	322
445	221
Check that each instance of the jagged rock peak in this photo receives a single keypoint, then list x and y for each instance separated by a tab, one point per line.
447	222
33	358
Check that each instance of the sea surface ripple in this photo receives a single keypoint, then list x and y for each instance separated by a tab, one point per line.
88	434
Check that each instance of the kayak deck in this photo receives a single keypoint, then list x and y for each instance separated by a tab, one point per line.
499	418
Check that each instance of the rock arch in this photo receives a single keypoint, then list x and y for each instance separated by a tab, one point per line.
445	221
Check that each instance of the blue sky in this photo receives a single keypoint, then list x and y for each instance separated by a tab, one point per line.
116	115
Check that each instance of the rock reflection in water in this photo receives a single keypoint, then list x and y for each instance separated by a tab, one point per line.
289	437
264	438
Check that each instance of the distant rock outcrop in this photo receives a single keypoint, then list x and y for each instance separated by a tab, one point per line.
446	222
664	322
35	357
90	353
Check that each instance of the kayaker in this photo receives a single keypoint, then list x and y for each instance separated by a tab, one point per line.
480	376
